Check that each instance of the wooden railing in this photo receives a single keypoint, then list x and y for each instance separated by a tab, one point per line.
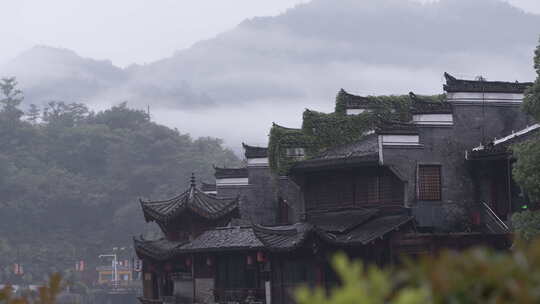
492	221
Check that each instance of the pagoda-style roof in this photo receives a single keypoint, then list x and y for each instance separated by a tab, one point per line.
499	148
254	151
194	200
478	86
230	172
363	151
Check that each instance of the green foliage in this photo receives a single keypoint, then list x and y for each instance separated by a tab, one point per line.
46	294
329	130
322	131
70	182
526	224
341	102
473	276
526	169
12	98
361	285
282	138
531	102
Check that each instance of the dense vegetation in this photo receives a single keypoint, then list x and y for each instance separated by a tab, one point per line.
321	131
526	169
70	179
474	276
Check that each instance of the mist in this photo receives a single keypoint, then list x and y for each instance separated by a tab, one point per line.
274	67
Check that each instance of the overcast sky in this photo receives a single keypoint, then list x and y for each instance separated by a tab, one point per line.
132	31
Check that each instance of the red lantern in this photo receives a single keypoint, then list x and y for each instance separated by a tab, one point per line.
260	257
249	260
209	261
188	262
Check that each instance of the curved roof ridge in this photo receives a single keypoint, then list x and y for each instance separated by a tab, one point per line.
286	128
454	84
205	205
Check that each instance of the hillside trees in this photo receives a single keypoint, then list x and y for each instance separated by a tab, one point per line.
70	179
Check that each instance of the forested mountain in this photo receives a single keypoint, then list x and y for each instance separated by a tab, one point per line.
70	178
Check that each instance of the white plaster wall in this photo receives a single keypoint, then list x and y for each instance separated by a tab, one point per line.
484	97
257	162
355	111
433	119
400	140
232	181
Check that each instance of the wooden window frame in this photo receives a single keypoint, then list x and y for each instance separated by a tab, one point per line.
419	193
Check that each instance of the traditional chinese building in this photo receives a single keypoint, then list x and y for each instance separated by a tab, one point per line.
440	179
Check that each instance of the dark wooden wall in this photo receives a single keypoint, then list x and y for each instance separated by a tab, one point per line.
360	187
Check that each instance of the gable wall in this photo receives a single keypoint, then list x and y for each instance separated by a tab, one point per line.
446	146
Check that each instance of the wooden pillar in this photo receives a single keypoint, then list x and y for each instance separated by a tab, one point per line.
193	275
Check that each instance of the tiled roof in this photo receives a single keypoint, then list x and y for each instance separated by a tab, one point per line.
218	239
373	229
229	238
283	238
207	187
459	85
286	238
422	106
341	221
500	147
365	150
396	127
360	229
161	249
193	199
358	102
230	172
255	152
285	128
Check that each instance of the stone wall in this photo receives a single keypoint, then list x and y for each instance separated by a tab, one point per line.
446	146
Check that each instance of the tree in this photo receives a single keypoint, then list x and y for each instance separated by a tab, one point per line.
46	294
526	170
476	275
58	113
34	113
11	99
531	102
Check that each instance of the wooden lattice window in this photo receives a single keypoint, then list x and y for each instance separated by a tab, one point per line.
429	182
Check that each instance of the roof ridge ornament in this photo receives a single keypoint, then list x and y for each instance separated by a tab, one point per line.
192	180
